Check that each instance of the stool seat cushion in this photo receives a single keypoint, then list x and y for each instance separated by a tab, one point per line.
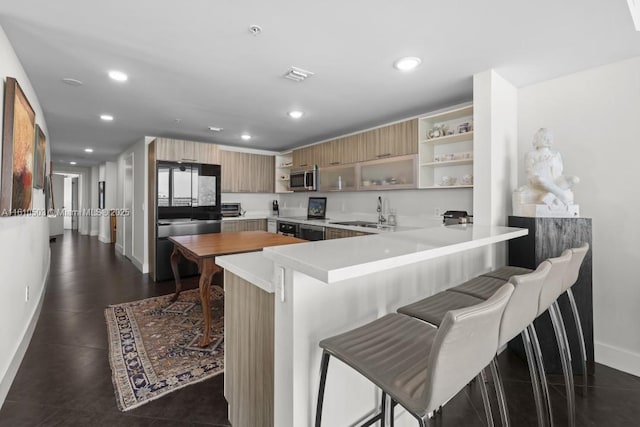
432	309
392	352
480	287
505	273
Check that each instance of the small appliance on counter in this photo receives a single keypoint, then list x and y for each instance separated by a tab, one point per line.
230	210
456	217
275	209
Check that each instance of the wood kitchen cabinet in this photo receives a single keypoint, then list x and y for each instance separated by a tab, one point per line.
236	225
306	157
247	172
341	233
178	150
398	139
339	151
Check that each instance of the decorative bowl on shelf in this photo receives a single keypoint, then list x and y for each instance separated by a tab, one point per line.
447	180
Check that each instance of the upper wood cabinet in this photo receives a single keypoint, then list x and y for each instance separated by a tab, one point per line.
247	172
339	151
307	156
178	150
398	139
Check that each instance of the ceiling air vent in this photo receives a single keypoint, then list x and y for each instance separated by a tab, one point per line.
297	74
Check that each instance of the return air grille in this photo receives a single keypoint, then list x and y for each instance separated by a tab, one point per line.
297	74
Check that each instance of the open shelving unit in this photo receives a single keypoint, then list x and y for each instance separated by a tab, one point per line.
283	165
445	149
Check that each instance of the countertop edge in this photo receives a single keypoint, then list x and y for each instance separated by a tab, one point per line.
252	267
344	273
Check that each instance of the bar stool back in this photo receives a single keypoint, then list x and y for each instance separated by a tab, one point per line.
418	366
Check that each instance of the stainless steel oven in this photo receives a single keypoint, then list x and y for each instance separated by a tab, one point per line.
304	179
288	228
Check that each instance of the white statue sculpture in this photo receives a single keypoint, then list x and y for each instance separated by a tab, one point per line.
548	192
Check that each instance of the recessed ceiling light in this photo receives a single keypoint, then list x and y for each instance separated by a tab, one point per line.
295	114
245	136
118	76
72	82
88	150
407	64
106	117
72	163
214	129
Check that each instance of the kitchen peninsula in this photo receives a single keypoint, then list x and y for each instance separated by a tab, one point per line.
281	302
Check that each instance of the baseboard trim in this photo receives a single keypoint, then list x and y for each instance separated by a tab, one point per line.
16	360
617	358
139	265
94	233
145	268
104	239
119	249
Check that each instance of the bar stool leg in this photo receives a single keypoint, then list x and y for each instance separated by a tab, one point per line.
565	358
502	402
583	350
482	380
535	381
324	366
543	375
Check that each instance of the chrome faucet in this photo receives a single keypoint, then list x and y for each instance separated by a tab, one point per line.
381	218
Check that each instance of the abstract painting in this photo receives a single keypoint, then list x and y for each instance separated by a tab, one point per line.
18	138
40	158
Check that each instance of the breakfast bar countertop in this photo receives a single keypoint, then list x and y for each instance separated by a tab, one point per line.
334	260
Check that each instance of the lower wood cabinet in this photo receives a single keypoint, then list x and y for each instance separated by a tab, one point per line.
234	226
249	353
341	233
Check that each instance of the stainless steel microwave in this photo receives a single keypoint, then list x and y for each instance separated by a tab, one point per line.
304	179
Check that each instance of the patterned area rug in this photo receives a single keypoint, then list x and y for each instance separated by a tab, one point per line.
153	346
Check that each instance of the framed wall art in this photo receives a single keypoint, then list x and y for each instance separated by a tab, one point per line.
39	161
18	138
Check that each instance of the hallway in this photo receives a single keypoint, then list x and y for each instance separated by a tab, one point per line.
65	378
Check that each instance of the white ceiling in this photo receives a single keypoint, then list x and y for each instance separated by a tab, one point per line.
196	60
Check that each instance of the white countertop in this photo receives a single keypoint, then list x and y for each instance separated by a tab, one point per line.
329	222
334	260
252	267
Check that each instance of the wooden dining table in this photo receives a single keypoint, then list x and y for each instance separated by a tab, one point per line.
202	249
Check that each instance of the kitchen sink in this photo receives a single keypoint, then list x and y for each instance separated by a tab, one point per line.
357	223
365	224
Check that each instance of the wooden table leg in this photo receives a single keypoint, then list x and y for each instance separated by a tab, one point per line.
208	269
175	257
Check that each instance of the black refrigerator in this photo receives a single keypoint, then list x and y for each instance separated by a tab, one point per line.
187	202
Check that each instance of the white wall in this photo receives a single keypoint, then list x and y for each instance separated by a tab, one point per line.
495	147
413	207
24	250
594	118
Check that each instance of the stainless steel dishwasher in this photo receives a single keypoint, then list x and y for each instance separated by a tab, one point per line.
311	232
164	247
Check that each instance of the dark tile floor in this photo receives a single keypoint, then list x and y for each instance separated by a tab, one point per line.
65	378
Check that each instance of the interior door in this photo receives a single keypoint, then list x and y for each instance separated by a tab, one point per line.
74	203
128	204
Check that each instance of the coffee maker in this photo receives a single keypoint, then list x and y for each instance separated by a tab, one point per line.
275	209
